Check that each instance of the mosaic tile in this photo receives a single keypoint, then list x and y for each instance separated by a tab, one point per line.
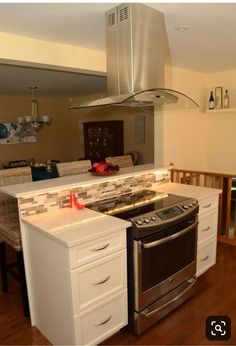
91	193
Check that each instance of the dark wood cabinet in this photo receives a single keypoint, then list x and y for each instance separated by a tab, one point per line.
102	139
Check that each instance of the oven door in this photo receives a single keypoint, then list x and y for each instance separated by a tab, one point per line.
164	261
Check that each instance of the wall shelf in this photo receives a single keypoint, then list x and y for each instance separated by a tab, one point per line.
222	110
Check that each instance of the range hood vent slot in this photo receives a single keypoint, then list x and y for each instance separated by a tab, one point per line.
111	19
123	13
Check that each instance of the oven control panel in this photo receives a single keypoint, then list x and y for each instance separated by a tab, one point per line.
158	217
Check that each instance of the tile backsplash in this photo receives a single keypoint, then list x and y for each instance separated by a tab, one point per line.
90	193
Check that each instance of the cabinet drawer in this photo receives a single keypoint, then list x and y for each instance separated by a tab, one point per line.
97	281
98	324
207	204
96	249
206	256
207	227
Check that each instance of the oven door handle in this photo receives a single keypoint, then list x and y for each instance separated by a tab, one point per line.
171	237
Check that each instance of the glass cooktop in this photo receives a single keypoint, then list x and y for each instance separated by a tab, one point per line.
137	203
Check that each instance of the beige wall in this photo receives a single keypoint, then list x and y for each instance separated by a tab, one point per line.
54	141
196	139
221	142
191	83
180	134
61	139
145	150
220	127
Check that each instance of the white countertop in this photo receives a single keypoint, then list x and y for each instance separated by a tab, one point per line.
73	181
72	226
75	226
185	190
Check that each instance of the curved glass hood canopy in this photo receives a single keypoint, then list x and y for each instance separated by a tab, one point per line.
136	46
168	99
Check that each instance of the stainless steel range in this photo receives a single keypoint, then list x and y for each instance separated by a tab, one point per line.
161	250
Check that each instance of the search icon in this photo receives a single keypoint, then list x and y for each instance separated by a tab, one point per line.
218	328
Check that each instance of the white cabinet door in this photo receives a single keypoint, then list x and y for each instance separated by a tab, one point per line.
86	253
98	280
207	233
208	204
206	256
100	322
207	228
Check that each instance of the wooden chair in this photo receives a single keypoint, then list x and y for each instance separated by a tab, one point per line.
121	161
73	167
10	232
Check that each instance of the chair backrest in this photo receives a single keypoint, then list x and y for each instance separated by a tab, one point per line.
121	161
11	176
73	167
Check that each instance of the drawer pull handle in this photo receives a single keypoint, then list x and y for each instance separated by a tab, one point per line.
205	258
101	248
206	229
207	206
104	322
102	281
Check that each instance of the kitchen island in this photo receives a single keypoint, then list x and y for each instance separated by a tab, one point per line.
65	248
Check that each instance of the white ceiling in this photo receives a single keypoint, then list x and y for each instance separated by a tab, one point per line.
209	46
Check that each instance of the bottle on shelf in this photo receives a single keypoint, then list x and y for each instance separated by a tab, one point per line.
226	99
211	101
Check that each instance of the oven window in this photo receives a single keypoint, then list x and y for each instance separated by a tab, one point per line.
162	261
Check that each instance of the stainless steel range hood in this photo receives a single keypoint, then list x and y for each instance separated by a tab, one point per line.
136	45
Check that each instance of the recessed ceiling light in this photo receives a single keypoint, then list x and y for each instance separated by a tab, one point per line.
182	28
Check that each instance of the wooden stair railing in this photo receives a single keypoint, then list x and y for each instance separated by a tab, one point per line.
227	199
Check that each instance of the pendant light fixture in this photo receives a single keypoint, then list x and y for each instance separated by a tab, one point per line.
32	123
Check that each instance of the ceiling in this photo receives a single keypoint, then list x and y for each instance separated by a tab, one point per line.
208	46
17	80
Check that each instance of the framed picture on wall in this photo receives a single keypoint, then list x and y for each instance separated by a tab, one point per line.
11	133
218	98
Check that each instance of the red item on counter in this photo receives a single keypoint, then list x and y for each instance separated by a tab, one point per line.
74	202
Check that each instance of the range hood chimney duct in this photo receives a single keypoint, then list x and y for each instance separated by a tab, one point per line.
136	45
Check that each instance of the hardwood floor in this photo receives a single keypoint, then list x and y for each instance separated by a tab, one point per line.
216	295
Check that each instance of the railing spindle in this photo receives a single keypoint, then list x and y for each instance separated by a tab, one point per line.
177	177
213	181
191	179
198	179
